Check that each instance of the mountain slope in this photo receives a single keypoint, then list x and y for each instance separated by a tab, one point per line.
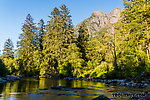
100	20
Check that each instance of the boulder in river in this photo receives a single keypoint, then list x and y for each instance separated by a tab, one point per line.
1	80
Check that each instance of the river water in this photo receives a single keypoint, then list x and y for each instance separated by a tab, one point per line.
33	89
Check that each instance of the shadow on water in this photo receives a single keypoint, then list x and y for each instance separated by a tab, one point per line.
50	89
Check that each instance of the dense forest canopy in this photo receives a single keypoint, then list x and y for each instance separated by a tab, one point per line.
55	50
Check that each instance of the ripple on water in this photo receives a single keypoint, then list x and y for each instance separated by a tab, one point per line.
14	93
29	88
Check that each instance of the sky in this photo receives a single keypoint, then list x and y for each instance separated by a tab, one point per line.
14	12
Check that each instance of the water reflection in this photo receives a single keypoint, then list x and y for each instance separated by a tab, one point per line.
30	88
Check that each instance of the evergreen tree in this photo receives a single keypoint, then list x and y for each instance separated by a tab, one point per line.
82	40
8	51
38	54
49	62
8	56
3	70
100	55
58	37
40	35
27	45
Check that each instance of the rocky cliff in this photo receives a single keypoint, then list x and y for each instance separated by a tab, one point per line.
100	20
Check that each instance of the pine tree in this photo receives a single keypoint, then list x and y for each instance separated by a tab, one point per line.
49	64
40	35
74	58
58	37
38	54
82	40
8	51
27	45
8	56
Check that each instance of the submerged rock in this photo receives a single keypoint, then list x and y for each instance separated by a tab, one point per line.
2	81
101	97
58	88
66	88
43	89
77	88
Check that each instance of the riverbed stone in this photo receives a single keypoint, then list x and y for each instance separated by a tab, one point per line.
123	82
146	85
1	80
126	84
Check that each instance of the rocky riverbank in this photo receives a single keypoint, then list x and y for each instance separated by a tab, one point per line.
123	82
9	78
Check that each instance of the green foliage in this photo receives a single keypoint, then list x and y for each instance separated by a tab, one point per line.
82	40
100	57
133	38
74	58
9	64
65	70
8	56
18	67
27	45
8	49
53	50
57	39
114	74
40	35
101	32
100	70
3	70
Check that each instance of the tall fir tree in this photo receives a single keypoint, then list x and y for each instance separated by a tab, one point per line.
8	56
38	54
27	45
82	40
40	34
58	37
8	51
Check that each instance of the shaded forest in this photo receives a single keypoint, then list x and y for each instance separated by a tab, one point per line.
55	50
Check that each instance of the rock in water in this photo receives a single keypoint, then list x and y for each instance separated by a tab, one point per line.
1	80
101	97
57	88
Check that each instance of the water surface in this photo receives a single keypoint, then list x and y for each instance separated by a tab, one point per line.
31	88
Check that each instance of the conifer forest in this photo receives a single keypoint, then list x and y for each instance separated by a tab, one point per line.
56	49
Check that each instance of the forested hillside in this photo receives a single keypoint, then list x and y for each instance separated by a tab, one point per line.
120	49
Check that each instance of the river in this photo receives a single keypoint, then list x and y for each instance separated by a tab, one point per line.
31	88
